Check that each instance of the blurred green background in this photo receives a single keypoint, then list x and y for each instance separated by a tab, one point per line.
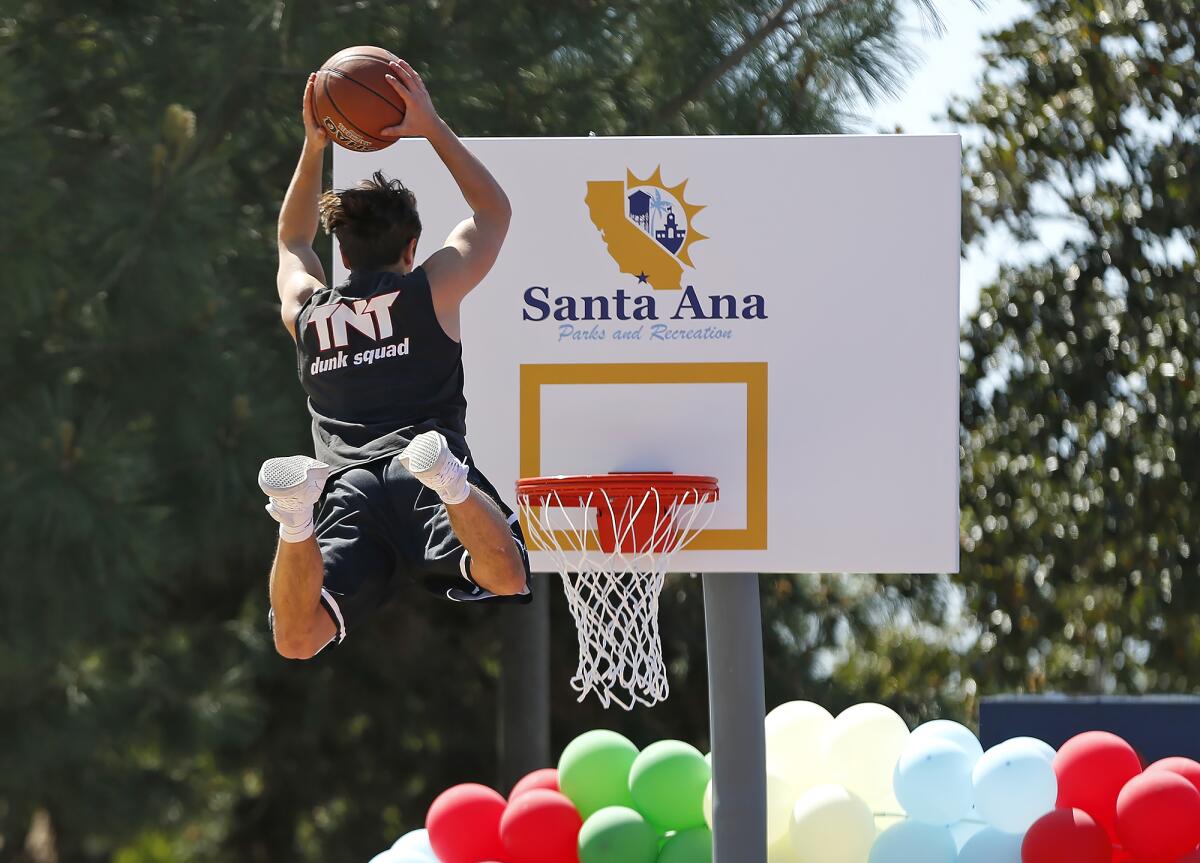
143	713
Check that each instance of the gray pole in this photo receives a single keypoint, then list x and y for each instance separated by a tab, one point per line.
736	707
525	685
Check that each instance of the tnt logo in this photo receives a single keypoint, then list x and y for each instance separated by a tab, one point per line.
372	318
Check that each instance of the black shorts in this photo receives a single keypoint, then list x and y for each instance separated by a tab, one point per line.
378	528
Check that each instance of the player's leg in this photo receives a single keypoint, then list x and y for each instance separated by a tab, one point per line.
481	527
301	625
496	562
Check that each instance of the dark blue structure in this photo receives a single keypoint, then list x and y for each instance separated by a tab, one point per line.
1157	726
639	209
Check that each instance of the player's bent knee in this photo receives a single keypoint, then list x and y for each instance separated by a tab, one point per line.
513	581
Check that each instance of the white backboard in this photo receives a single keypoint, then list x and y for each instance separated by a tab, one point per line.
827	405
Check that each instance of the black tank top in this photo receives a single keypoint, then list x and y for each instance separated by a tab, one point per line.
378	368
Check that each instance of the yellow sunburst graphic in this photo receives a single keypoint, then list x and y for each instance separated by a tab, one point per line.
655	180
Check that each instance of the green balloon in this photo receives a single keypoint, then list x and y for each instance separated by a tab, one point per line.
667	782
594	771
693	845
617	834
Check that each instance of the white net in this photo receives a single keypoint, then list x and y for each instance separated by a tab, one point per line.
613	595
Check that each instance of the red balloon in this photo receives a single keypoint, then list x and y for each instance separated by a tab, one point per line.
1194	857
1092	768
547	777
541	826
1158	817
1185	767
1066	835
464	824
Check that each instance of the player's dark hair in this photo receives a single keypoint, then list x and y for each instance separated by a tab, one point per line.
374	222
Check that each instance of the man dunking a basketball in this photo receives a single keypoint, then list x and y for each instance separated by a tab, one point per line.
393	491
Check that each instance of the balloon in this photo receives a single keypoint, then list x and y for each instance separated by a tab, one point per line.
780	798
1185	767
832	825
617	834
693	845
594	771
1066	835
1092	768
1040	746
781	851
667	781
541	826
547	777
955	732
863	745
415	843
990	845
1158	817
911	841
393	856
933	780
1194	857
1014	786
464	824
967	827
795	731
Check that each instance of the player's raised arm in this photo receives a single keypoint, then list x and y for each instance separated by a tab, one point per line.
472	247
300	270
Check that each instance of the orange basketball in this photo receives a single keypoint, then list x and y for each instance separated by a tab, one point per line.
354	102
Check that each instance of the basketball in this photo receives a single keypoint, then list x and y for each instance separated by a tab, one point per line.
354	102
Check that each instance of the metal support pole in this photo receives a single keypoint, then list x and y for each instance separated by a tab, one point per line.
525	685
736	706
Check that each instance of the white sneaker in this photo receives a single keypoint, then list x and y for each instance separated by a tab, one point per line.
429	459
293	484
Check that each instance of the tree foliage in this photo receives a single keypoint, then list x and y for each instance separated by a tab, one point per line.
1080	409
147	145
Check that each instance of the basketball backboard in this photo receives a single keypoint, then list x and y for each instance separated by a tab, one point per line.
778	312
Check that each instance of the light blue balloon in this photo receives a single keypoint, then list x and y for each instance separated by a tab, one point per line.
966	828
932	780
955	732
416	843
990	845
1040	746
1014	786
914	842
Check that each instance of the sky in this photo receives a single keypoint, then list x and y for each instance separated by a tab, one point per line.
951	66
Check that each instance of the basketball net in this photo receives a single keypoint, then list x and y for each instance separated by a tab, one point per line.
613	565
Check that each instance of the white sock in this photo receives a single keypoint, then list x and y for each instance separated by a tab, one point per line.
457	490
294	525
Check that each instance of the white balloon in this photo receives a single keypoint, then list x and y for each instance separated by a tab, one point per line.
779	807
782	852
862	747
832	825
780	799
795	733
